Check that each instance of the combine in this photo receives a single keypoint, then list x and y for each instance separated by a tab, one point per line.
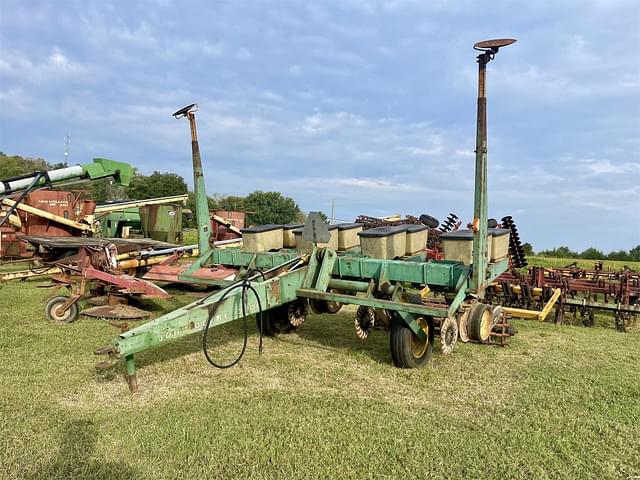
383	271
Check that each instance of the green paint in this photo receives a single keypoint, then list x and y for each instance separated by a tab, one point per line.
103	167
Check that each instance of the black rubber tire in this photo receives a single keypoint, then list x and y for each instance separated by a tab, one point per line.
474	327
492	223
334	307
318	306
71	315
325	306
274	322
401	344
429	221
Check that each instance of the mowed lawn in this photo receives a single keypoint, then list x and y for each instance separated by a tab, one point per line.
559	402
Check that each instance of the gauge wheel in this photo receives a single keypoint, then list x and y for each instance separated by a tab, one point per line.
463	323
318	306
51	311
407	350
325	306
480	323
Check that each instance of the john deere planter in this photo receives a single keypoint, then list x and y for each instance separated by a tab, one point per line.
413	298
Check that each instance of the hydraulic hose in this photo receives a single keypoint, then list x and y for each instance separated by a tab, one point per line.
246	286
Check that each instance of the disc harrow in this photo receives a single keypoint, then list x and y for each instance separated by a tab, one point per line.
516	250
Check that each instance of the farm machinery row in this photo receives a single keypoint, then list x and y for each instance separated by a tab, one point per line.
579	292
406	293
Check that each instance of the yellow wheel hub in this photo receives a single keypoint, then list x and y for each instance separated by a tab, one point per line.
419	347
486	325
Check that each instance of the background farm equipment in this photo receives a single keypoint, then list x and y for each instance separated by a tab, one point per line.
538	291
63	250
30	207
96	271
156	218
410	296
578	291
25	210
227	225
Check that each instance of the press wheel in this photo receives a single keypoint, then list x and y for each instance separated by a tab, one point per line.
480	323
365	321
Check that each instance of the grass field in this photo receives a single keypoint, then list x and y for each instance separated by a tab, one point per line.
560	402
561	262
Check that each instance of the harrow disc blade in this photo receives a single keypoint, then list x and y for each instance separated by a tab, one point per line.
120	312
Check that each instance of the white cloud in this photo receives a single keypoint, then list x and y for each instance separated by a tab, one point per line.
57	65
604	167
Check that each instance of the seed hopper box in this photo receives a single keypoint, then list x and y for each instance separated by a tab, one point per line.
384	242
288	237
348	235
416	238
263	238
499	243
458	245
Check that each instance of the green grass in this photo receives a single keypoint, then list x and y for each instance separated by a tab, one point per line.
562	262
560	402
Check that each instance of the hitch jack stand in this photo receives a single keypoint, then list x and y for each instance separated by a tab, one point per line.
132	379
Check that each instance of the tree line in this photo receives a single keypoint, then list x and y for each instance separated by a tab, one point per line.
261	207
591	253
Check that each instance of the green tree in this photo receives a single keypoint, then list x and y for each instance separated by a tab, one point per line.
634	254
270	207
14	165
105	189
560	252
191	205
231	202
618	255
528	249
156	185
592	254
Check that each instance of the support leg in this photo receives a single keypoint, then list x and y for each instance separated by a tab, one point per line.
132	380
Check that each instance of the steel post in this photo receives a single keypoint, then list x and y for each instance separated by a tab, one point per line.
480	195
200	191
479	279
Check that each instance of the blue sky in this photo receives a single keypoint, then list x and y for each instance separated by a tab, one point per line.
370	103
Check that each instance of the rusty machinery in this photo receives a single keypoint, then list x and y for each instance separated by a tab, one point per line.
62	212
578	291
97	271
